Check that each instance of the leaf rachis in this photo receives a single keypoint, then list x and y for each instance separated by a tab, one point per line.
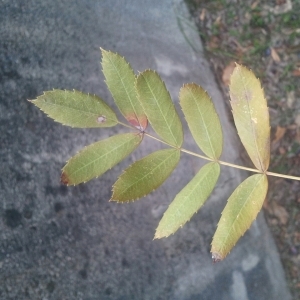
145	98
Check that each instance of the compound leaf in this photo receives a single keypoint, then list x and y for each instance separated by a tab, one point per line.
76	109
202	119
240	211
120	80
251	115
189	200
159	108
97	158
145	175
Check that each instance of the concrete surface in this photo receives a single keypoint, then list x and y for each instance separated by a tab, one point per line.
71	243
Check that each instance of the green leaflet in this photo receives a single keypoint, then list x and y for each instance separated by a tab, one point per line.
189	200
96	159
241	210
251	115
145	175
202	119
76	109
120	80
159	108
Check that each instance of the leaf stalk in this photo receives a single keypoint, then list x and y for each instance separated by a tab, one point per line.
224	163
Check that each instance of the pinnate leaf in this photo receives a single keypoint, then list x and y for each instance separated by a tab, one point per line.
145	175
240	211
96	159
76	109
189	200
251	115
202	119
120	80
159	108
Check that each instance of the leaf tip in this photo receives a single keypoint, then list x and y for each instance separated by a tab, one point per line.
216	257
113	198
103	50
157	236
139	123
65	179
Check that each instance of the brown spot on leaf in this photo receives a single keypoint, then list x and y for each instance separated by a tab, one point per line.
101	119
64	179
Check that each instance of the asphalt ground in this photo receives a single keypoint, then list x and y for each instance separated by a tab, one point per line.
60	242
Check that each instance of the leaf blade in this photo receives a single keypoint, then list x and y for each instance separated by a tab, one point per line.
95	159
240	211
251	116
189	200
202	119
120	79
159	108
145	175
76	109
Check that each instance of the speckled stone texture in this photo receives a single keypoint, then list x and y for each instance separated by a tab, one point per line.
71	243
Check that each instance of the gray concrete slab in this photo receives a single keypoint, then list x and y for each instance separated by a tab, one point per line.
71	243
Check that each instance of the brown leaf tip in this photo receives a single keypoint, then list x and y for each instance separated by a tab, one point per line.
64	178
140	124
216	257
101	119
133	121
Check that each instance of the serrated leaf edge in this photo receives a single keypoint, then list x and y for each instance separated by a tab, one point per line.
128	97
216	256
195	212
262	167
215	157
82	149
174	139
125	171
74	91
